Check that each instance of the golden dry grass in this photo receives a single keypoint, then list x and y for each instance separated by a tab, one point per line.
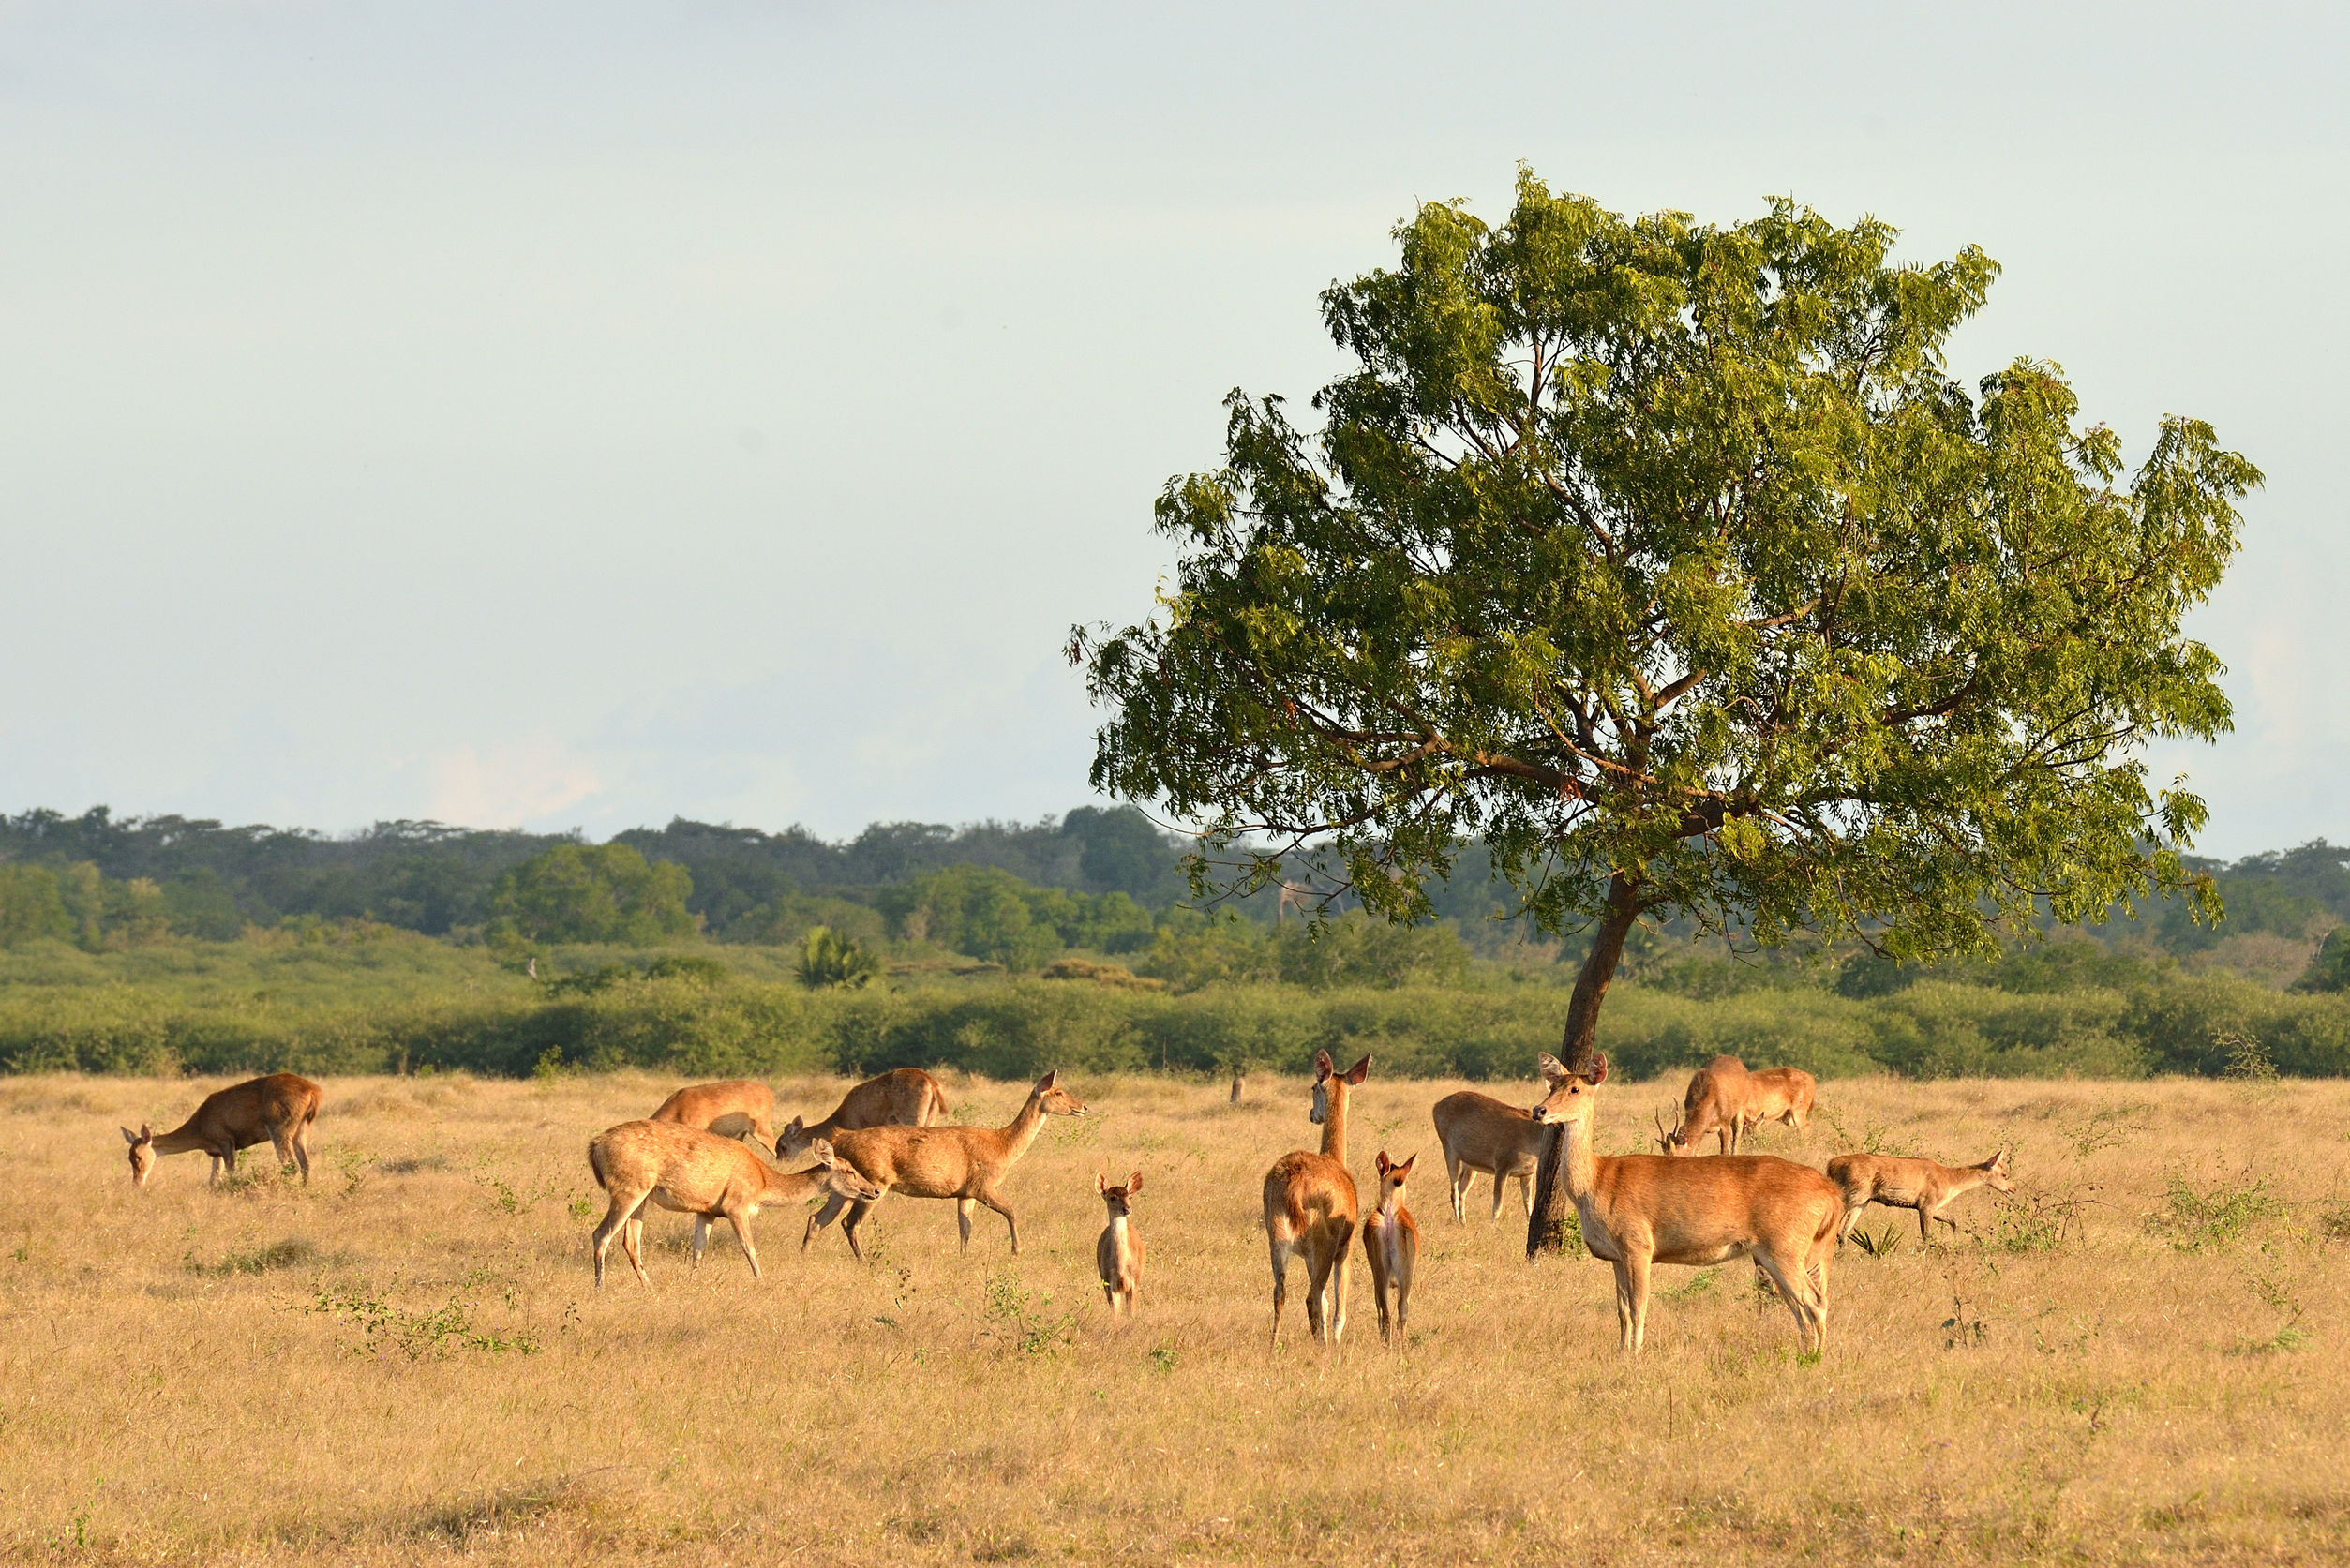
166	1397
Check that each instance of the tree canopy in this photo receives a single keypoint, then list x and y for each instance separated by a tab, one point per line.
1669	561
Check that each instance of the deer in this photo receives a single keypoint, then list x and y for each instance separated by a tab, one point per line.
700	1174
730	1110
1777	1095
966	1163
1638	1211
1482	1135
1391	1243
1714	1102
278	1109
1311	1210
905	1097
1118	1255
1923	1185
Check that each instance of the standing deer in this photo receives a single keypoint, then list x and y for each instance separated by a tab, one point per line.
1310	1209
905	1097
278	1109
702	1174
1391	1241
1117	1256
1640	1210
1483	1137
1714	1102
966	1163
1923	1185
1777	1095
730	1110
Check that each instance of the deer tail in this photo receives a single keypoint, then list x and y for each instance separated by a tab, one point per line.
596	1162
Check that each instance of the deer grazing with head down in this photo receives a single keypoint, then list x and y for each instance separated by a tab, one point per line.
1391	1242
1638	1211
967	1164
738	1107
277	1109
1777	1095
1923	1185
1483	1137
905	1097
1714	1102
700	1174
1311	1210
1118	1254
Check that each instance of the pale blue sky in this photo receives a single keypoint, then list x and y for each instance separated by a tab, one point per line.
581	413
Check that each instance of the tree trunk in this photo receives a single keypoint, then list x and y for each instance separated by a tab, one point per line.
1547	1227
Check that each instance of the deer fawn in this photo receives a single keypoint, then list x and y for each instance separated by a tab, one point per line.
1310	1209
1640	1210
1923	1185
966	1163
907	1096
1117	1257
1483	1137
730	1110
702	1174
1392	1244
1714	1102
278	1109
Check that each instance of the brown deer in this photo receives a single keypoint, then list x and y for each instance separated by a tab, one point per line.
966	1163
1483	1137
1640	1210
1310	1209
277	1110
1117	1256
1391	1241
905	1097
1777	1095
700	1174
730	1110
1923	1185
1714	1102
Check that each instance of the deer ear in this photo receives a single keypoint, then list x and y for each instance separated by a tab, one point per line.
1323	1065
128	1136
1381	1162
1598	1073
1102	1181
821	1152
1360	1070
1405	1169
794	1126
1050	1079
145	1132
1133	1184
1549	1066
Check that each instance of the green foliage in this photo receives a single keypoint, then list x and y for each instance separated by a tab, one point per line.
2200	1219
2328	971
31	907
593	893
1021	1319
990	914
827	959
380	1328
1667	557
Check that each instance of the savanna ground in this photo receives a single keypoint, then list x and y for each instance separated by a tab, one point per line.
2139	1357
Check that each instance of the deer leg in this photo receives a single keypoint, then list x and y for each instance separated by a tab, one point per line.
1318	1265
1926	1227
283	1146
1526	1192
1009	1220
1500	1186
615	1216
302	1150
1624	1306
1341	1267
1404	1303
633	1243
742	1224
1452	1188
834	1203
1378	1282
701	1238
1281	1283
857	1213
963	1208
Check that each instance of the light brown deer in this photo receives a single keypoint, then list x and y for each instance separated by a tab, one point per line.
1481	1136
1640	1210
966	1163
905	1097
1777	1095
1923	1185
1311	1210
730	1110
1118	1255
1714	1102
700	1174
1391	1242
277	1109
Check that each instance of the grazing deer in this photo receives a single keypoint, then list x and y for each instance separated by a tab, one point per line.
1714	1102
1640	1210
906	1096
278	1109
1392	1243
1923	1185
1777	1095
966	1163
702	1174
1310	1209
730	1110
1483	1137
1117	1257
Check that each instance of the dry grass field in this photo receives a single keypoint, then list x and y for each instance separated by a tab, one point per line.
2141	1356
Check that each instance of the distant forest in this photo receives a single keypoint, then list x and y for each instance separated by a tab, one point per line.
203	879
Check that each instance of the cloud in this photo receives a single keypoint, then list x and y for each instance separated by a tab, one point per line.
509	785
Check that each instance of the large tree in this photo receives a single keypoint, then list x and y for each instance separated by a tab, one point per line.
1670	561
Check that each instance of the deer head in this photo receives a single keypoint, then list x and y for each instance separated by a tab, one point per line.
1120	1199
1325	1074
1392	1176
1572	1099
142	1153
791	1140
1054	1100
841	1177
1994	1173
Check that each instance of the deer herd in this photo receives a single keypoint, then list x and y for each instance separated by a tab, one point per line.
695	1156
